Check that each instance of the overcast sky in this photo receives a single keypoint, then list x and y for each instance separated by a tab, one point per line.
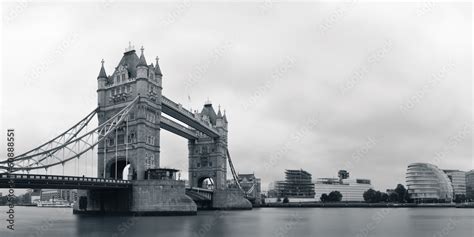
320	86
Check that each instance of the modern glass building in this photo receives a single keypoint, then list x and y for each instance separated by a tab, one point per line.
427	183
470	185
352	190
458	180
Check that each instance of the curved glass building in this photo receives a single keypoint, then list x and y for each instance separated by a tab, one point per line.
428	183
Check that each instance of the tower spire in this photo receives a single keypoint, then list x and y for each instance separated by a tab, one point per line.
219	114
102	73
157	68
142	61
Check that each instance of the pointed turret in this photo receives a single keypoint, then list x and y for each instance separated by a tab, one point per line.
219	114
102	73
142	61
157	68
225	117
101	82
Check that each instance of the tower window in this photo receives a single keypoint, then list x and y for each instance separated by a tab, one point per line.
204	161
120	139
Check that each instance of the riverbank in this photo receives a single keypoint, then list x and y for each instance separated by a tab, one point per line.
365	205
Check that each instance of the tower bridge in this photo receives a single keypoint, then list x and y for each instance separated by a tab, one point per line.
129	112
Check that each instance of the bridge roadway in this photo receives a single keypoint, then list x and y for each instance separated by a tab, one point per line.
178	112
37	181
199	194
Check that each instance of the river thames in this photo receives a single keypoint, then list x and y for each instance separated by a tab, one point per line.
324	222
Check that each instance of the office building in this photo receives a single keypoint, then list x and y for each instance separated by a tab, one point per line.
428	183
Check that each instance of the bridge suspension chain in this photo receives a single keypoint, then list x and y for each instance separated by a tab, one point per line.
234	174
53	145
72	144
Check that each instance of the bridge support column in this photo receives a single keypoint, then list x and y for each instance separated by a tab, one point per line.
102	202
145	197
230	199
161	197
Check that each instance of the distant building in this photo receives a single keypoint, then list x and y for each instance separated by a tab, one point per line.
352	190
470	185
251	185
458	180
297	184
58	194
427	183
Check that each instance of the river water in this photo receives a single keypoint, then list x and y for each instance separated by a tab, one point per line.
324	222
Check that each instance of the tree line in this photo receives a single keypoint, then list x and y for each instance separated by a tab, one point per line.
398	195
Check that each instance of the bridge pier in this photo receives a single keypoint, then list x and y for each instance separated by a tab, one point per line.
146	197
230	199
161	197
102	201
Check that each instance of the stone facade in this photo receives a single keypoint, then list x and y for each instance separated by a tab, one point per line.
207	156
132	77
161	197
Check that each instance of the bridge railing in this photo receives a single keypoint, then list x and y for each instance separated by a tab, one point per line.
176	106
62	178
186	112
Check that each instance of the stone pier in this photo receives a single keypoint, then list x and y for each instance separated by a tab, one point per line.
146	197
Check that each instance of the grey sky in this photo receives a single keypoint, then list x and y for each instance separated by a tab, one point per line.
320	86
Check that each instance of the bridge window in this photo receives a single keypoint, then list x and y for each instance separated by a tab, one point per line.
204	161
131	138
111	142
120	139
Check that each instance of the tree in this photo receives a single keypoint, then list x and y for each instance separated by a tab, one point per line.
460	198
393	197
369	196
285	200
402	193
324	197
335	196
384	197
278	199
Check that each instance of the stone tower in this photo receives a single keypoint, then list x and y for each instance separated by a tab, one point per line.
136	142
207	156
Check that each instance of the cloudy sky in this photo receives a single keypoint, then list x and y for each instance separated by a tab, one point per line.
320	86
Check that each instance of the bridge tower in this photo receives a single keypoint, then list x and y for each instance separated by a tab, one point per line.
207	155
137	142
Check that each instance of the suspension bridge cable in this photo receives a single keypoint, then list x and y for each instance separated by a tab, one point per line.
116	151
105	154
126	143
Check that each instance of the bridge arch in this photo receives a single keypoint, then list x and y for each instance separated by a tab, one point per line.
206	182
122	164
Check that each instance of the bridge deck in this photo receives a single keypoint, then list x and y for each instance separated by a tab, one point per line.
178	112
60	182
199	194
